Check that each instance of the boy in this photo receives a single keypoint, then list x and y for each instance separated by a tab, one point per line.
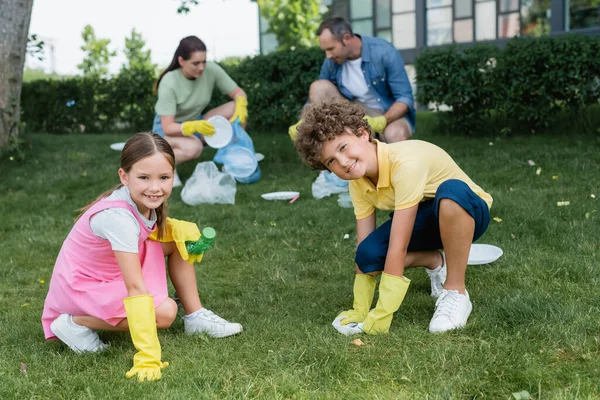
434	205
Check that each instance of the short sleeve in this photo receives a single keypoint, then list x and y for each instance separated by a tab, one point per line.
409	180
119	227
224	82
166	104
362	206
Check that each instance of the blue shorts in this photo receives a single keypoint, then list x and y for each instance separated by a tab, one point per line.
157	127
372	251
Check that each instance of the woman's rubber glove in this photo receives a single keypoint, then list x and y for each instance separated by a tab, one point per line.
377	124
141	318
201	126
392	290
364	289
241	109
180	232
293	130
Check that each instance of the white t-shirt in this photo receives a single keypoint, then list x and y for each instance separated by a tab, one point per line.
118	225
354	80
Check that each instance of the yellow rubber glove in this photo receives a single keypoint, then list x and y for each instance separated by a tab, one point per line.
201	126
141	318
377	124
392	290
241	109
293	130
364	289
180	232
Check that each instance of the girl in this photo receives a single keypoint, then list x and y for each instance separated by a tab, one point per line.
110	275
184	90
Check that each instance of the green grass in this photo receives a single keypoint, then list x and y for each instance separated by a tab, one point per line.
284	271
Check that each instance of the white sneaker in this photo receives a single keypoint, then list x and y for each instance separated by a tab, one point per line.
78	338
206	321
176	180
438	277
452	310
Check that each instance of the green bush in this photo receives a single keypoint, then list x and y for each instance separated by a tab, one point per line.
461	78
539	77
527	86
124	103
277	86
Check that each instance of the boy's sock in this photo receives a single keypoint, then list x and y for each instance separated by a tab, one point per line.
438	277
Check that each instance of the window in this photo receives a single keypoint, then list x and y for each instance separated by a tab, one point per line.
363	27
382	14
404	27
509	5
463	30
268	41
361	16
463	8
535	17
583	14
404	31
463	21
439	22
508	25
439	26
361	9
485	20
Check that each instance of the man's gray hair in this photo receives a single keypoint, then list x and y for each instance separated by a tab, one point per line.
337	26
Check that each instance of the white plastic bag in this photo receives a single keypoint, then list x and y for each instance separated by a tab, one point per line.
208	185
327	183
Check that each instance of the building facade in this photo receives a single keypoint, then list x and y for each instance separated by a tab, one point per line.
412	25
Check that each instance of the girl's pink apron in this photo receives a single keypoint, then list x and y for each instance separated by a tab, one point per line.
87	279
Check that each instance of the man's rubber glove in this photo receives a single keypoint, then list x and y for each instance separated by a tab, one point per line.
377	124
293	130
201	126
364	289
180	232
141	318
392	290
241	109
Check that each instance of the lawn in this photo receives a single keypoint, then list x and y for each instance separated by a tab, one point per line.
285	271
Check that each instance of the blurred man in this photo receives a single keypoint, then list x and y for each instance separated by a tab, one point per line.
368	71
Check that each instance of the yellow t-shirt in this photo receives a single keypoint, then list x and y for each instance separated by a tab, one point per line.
187	98
409	172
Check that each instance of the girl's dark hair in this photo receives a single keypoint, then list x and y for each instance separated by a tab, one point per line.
140	146
187	46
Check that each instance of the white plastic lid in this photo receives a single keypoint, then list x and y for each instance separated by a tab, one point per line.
223	132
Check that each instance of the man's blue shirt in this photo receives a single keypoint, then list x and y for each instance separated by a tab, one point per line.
384	72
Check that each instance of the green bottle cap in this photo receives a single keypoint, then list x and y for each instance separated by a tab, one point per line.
209	233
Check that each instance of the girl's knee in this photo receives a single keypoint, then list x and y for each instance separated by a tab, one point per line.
166	313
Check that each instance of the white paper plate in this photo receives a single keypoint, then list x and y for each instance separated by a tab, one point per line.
279	195
117	146
259	156
223	132
483	254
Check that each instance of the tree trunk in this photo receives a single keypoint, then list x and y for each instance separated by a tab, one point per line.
15	16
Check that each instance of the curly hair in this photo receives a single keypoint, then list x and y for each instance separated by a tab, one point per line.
325	121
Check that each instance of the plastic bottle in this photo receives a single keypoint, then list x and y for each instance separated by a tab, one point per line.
204	243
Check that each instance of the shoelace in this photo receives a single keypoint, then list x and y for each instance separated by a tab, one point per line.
447	303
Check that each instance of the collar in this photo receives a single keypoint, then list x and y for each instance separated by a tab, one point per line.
365	50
